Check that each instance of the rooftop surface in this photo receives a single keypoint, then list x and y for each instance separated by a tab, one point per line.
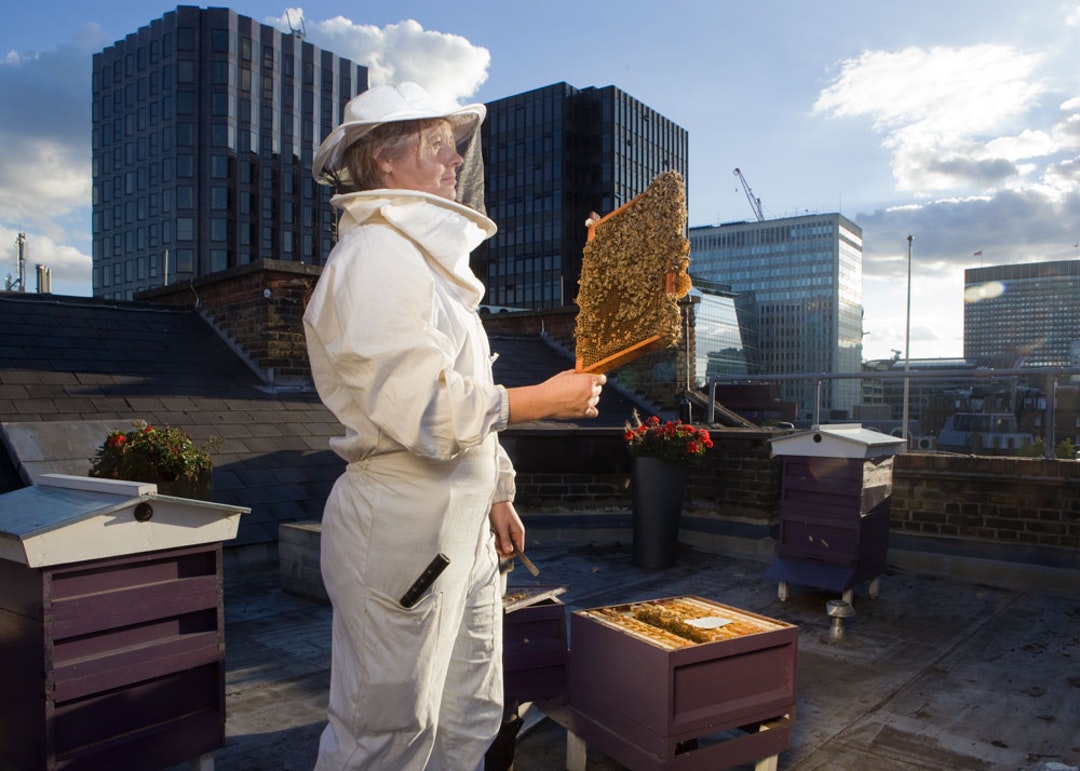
933	674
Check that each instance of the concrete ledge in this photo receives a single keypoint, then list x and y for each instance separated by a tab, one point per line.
1019	567
298	560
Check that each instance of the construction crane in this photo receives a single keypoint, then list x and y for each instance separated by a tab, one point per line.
755	203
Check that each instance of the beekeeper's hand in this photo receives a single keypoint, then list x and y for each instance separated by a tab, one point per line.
508	528
566	396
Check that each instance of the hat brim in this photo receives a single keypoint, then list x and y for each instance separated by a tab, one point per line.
328	164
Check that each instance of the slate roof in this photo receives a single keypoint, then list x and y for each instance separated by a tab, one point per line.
76	359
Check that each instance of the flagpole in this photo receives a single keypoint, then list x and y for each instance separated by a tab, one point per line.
907	348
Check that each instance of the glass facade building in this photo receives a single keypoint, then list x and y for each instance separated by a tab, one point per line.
552	156
725	333
204	126
1028	312
805	276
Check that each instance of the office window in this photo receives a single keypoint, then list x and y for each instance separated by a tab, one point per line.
185	134
219	103
219	135
185	39
219	40
219	166
185	260
185	228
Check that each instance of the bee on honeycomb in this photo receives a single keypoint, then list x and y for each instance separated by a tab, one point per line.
633	273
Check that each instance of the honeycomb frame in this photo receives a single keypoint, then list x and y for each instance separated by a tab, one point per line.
633	274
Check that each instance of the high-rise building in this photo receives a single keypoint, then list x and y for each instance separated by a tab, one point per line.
1027	313
552	156
805	274
204	126
725	333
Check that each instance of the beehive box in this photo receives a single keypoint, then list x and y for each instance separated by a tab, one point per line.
534	646
652	697
114	663
836	510
112	648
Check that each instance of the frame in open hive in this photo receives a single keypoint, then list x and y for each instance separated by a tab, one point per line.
679	622
633	273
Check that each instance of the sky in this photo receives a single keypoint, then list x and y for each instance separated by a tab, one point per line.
956	123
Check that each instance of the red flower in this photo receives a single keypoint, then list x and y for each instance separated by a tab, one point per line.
116	440
672	442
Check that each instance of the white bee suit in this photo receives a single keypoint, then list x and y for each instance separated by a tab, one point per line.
399	355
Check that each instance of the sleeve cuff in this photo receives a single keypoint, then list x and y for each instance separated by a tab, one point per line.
504	408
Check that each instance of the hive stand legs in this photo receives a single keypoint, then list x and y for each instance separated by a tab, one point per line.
576	752
766	764
769	763
782	591
203	762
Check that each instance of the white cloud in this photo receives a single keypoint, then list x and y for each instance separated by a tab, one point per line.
940	110
448	66
45	183
44	178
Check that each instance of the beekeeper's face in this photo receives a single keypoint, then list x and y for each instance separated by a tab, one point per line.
429	163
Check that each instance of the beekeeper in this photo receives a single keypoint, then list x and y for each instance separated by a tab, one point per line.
399	355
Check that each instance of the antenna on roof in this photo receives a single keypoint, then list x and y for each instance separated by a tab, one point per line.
19	281
301	31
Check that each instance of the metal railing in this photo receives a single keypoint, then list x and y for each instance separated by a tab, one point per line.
1049	376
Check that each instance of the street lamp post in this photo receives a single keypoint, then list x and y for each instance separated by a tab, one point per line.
907	348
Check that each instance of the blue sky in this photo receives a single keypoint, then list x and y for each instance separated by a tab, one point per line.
955	122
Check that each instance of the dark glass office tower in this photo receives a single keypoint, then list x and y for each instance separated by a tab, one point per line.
204	126
551	157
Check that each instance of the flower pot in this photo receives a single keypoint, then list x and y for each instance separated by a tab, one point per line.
200	488
656	494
